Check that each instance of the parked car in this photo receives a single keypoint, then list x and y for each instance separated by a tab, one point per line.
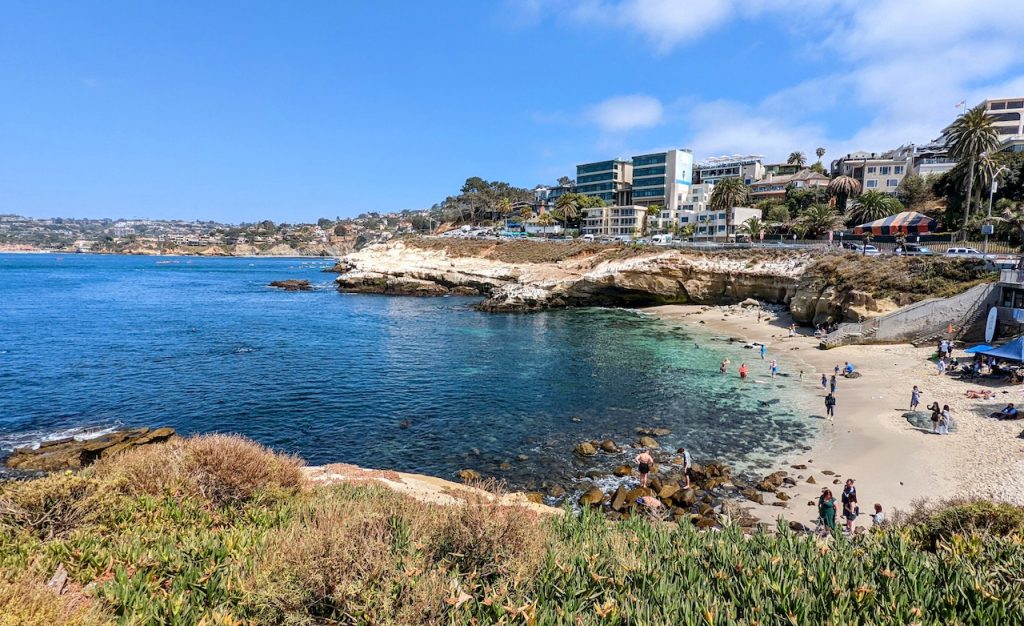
969	253
587	237
913	249
662	240
866	250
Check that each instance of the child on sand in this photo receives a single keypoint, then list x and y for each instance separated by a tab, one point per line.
915	398
830	406
824	381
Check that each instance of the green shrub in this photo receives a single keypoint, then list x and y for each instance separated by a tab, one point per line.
52	506
932	524
25	602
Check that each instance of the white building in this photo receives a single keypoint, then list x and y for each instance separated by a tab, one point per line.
699	198
875	171
1007	115
745	167
662	178
613	221
718	225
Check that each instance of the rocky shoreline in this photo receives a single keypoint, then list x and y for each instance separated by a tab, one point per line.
71	453
530	276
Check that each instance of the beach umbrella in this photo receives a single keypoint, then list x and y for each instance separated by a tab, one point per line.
978	348
906	222
1012	351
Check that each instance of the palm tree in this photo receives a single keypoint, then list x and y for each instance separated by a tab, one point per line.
970	136
874	205
818	219
727	195
842	188
797	158
752	228
819	152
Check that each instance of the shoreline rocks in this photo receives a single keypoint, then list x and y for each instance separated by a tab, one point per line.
71	453
292	284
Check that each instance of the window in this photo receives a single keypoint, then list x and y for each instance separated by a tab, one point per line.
1005	117
652	159
997	106
648	171
721	216
1007	130
892	182
1016	104
871	170
883	170
872	184
898	169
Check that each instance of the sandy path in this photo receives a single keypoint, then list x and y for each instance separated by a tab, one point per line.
869	440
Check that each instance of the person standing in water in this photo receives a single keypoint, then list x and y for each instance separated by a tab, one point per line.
743	371
724	367
773	368
644	462
764	351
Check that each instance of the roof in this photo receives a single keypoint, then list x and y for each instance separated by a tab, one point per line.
1013	350
905	222
804	175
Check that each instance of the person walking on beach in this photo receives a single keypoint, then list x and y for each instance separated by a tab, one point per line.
827	509
915	398
830	406
824	381
764	351
832	385
944	419
941	365
743	371
644	462
850	507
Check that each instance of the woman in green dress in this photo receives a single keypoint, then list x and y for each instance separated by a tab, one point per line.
827	509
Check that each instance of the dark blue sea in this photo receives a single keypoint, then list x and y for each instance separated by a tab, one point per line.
90	343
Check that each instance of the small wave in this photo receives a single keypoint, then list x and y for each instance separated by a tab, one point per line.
33	439
244	350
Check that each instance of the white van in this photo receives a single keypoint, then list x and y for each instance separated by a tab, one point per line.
587	237
662	240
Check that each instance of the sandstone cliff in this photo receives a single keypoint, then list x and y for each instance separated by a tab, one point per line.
527	276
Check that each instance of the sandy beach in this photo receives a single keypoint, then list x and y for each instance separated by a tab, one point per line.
893	462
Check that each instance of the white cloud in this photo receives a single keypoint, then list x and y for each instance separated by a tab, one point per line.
624	113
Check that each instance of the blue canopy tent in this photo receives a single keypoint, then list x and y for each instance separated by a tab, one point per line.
1012	351
981	347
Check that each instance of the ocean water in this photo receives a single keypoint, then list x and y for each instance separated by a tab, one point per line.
91	343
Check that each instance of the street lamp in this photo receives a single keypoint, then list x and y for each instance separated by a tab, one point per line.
987	228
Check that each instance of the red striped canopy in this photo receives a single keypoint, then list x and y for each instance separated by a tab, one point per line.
905	222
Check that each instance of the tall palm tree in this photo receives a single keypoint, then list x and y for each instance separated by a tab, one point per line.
970	136
568	205
727	195
818	219
819	152
842	188
874	205
797	158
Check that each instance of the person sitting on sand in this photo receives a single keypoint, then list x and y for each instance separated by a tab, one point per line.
979	394
1008	413
878	518
644	462
848	368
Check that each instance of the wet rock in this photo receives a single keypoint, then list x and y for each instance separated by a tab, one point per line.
771	482
653	432
648	442
799	466
405	424
592	497
585	449
685	497
556	491
73	454
706	510
522	457
576	418
609	446
655	483
790	482
466	475
623	470
505	466
619	498
636	493
292	284
668	490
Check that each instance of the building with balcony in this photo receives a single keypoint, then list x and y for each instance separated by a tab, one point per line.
1007	115
773	187
717	225
607	180
875	171
613	221
699	198
748	168
663	178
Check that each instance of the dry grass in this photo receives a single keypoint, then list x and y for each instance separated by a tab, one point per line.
25	602
906	279
52	506
518	250
224	469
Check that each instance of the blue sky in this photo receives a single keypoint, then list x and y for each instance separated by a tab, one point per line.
239	111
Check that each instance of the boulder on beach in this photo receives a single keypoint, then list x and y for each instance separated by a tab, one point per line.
466	475
750	302
292	284
71	453
648	442
923	420
653	432
585	449
592	497
609	446
622	471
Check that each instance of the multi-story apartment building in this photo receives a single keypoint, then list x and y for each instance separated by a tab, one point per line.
663	178
699	198
746	167
774	187
1007	115
613	221
875	171
608	180
718	225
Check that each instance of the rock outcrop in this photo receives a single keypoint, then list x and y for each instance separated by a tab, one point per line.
292	284
71	453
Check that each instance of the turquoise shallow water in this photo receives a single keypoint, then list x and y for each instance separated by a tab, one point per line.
97	342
